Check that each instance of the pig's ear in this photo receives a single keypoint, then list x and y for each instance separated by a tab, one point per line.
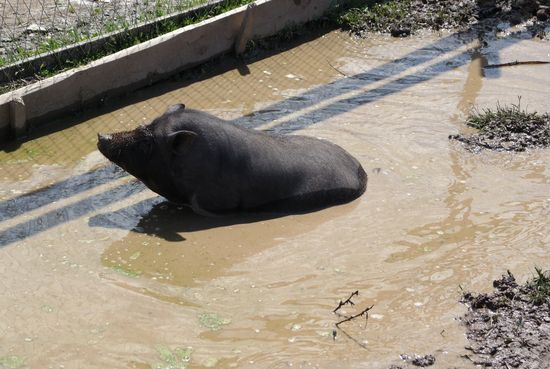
175	108
181	141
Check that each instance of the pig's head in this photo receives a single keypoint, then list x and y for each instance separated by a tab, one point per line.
148	152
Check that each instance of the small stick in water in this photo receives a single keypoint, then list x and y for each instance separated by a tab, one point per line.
364	312
516	63
348	301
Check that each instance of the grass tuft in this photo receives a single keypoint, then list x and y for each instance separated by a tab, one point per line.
375	15
506	128
540	287
511	117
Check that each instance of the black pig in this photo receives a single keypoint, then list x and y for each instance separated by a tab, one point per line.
216	167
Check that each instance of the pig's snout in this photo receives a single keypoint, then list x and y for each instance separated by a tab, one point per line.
104	143
102	137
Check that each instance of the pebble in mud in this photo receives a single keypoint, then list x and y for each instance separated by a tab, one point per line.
418	360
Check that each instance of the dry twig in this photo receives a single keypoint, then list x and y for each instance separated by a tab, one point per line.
348	301
530	62
364	312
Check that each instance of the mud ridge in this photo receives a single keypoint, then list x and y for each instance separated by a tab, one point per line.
401	18
510	327
506	129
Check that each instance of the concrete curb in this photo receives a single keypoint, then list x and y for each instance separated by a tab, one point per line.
28	67
149	62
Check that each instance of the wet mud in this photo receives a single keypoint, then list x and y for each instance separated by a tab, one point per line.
510	327
98	271
401	18
417	360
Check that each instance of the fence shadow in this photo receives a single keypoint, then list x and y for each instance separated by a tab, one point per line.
68	213
335	93
58	191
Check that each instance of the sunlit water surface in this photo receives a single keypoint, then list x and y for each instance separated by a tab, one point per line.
98	272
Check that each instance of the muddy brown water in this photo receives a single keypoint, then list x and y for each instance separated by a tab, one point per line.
98	271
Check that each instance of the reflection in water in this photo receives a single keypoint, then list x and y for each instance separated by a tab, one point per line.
174	244
473	84
457	226
122	272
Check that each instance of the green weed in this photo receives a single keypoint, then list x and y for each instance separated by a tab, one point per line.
11	361
177	358
124	270
539	286
213	321
374	15
511	117
120	42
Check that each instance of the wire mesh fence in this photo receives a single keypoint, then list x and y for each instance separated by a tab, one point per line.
30	28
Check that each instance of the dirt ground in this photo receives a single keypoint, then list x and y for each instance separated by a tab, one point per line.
405	17
506	129
510	327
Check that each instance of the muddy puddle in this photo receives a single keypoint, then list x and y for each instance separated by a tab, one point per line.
97	271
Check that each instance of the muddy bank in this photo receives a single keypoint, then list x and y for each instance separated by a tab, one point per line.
510	328
506	129
401	18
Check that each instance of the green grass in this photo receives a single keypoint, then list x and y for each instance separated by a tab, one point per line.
177	358
373	15
114	44
391	16
511	117
126	271
11	361
506	128
540	286
213	321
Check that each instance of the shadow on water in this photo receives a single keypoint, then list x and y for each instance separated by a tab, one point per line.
167	234
167	220
358	82
58	191
67	213
336	93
